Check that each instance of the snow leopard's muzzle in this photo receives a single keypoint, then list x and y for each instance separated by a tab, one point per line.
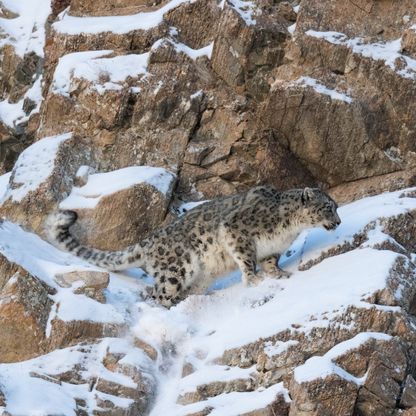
331	225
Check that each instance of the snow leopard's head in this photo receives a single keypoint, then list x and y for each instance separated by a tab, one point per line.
320	208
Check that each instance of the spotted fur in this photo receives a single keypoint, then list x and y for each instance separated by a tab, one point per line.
212	239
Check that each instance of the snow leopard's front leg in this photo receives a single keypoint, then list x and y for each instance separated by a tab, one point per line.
243	251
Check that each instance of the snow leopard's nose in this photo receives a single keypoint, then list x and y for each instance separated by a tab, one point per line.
337	220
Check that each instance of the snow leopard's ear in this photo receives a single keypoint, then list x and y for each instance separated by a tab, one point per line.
307	195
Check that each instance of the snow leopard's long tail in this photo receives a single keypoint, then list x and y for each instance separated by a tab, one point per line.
57	229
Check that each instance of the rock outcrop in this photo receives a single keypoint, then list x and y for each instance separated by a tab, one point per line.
124	109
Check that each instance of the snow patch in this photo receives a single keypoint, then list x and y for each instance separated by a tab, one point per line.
13	114
103	73
110	73
26	32
4	183
196	94
73	25
100	185
234	403
272	349
187	206
322	89
321	367
388	52
246	9
214	373
181	47
33	167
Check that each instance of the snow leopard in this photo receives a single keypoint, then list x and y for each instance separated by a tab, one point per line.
242	231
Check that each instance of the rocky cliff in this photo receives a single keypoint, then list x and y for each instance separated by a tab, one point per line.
128	110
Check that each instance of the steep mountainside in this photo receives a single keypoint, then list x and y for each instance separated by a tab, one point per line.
128	110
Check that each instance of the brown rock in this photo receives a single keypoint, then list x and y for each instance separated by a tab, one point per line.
141	394
7	270
201	14
17	74
112	7
105	226
66	333
204	412
92	283
146	347
400	289
279	407
380	383
82	113
402	228
353	18
59	6
205	391
408	398
319	135
71	154
24	312
409	42
89	279
6	13
361	188
368	404
187	368
329	396
242	52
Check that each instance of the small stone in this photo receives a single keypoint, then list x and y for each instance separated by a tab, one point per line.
92	283
187	369
89	279
146	347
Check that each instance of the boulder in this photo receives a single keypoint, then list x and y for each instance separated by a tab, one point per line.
42	173
67	333
329	396
24	313
248	44
138	193
201	14
378	364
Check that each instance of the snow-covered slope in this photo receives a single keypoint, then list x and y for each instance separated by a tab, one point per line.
259	92
201	329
